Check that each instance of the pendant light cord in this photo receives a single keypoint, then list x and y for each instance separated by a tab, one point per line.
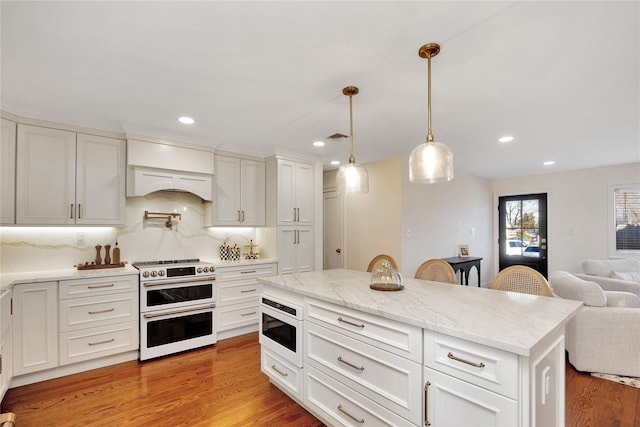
352	158
429	134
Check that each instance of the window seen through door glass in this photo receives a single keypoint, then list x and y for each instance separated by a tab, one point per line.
522	228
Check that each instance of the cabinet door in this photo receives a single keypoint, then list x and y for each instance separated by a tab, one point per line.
8	170
35	327
452	402
226	206
252	196
304	250
287	238
286	210
304	193
100	180
6	359
45	178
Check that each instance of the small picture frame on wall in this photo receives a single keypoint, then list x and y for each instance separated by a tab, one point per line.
463	250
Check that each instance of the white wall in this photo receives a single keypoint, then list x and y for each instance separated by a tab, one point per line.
441	216
577	210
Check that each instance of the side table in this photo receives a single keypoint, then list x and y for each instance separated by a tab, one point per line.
464	265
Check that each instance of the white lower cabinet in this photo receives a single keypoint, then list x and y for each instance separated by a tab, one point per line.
285	374
295	249
35	327
6	356
98	317
379	376
238	292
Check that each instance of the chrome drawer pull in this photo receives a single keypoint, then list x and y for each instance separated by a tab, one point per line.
477	365
284	374
102	311
248	314
248	290
102	342
340	319
248	271
101	286
426	417
359	368
359	421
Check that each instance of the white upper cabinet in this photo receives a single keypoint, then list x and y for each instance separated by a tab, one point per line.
239	192
8	170
64	178
294	193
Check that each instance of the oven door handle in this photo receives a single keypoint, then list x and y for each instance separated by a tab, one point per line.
170	313
177	282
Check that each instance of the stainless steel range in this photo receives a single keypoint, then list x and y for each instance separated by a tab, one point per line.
177	299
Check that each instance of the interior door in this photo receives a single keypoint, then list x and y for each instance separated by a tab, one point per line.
333	230
522	238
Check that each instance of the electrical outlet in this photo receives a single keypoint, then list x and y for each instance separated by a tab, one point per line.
408	233
79	237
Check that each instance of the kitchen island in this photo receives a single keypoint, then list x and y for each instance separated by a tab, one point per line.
431	353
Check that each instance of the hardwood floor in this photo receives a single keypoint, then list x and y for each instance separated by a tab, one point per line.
223	386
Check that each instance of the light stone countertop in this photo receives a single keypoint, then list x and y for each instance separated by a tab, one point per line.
7	280
219	263
510	321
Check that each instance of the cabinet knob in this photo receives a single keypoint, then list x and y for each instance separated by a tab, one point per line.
339	251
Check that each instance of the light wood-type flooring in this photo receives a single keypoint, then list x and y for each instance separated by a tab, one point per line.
222	386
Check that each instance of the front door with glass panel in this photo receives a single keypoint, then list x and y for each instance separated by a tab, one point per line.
522	238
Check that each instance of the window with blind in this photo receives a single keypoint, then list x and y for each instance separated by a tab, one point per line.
627	219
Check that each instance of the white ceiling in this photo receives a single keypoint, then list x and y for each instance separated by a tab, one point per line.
561	77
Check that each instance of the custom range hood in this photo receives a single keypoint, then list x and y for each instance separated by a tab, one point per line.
155	165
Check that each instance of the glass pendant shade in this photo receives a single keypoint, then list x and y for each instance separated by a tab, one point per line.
352	178
431	162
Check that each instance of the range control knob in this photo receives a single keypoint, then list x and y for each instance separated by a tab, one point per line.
154	274
199	270
145	274
161	273
205	269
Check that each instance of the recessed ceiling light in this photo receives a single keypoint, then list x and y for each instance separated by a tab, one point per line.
505	139
549	163
335	162
185	120
318	143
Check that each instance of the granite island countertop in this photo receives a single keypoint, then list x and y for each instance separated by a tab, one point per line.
510	321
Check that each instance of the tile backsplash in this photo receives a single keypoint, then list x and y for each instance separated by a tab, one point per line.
53	248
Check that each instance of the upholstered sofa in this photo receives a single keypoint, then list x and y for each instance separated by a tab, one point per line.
613	274
604	336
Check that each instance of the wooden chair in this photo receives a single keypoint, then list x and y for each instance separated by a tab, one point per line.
8	419
437	270
520	278
376	262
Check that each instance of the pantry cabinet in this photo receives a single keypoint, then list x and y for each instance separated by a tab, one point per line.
66	178
294	193
239	198
8	170
35	327
295	249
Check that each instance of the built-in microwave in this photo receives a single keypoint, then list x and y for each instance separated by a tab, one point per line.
281	328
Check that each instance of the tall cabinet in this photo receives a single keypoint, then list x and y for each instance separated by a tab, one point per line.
290	192
66	178
8	170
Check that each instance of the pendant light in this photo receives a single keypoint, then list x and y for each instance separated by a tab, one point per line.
352	178
430	162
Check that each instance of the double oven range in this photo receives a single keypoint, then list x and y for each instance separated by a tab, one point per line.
177	302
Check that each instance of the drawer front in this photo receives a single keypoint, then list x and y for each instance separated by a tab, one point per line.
487	367
93	343
226	272
341	405
80	313
387	379
231	317
98	286
285	375
395	337
238	291
452	402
